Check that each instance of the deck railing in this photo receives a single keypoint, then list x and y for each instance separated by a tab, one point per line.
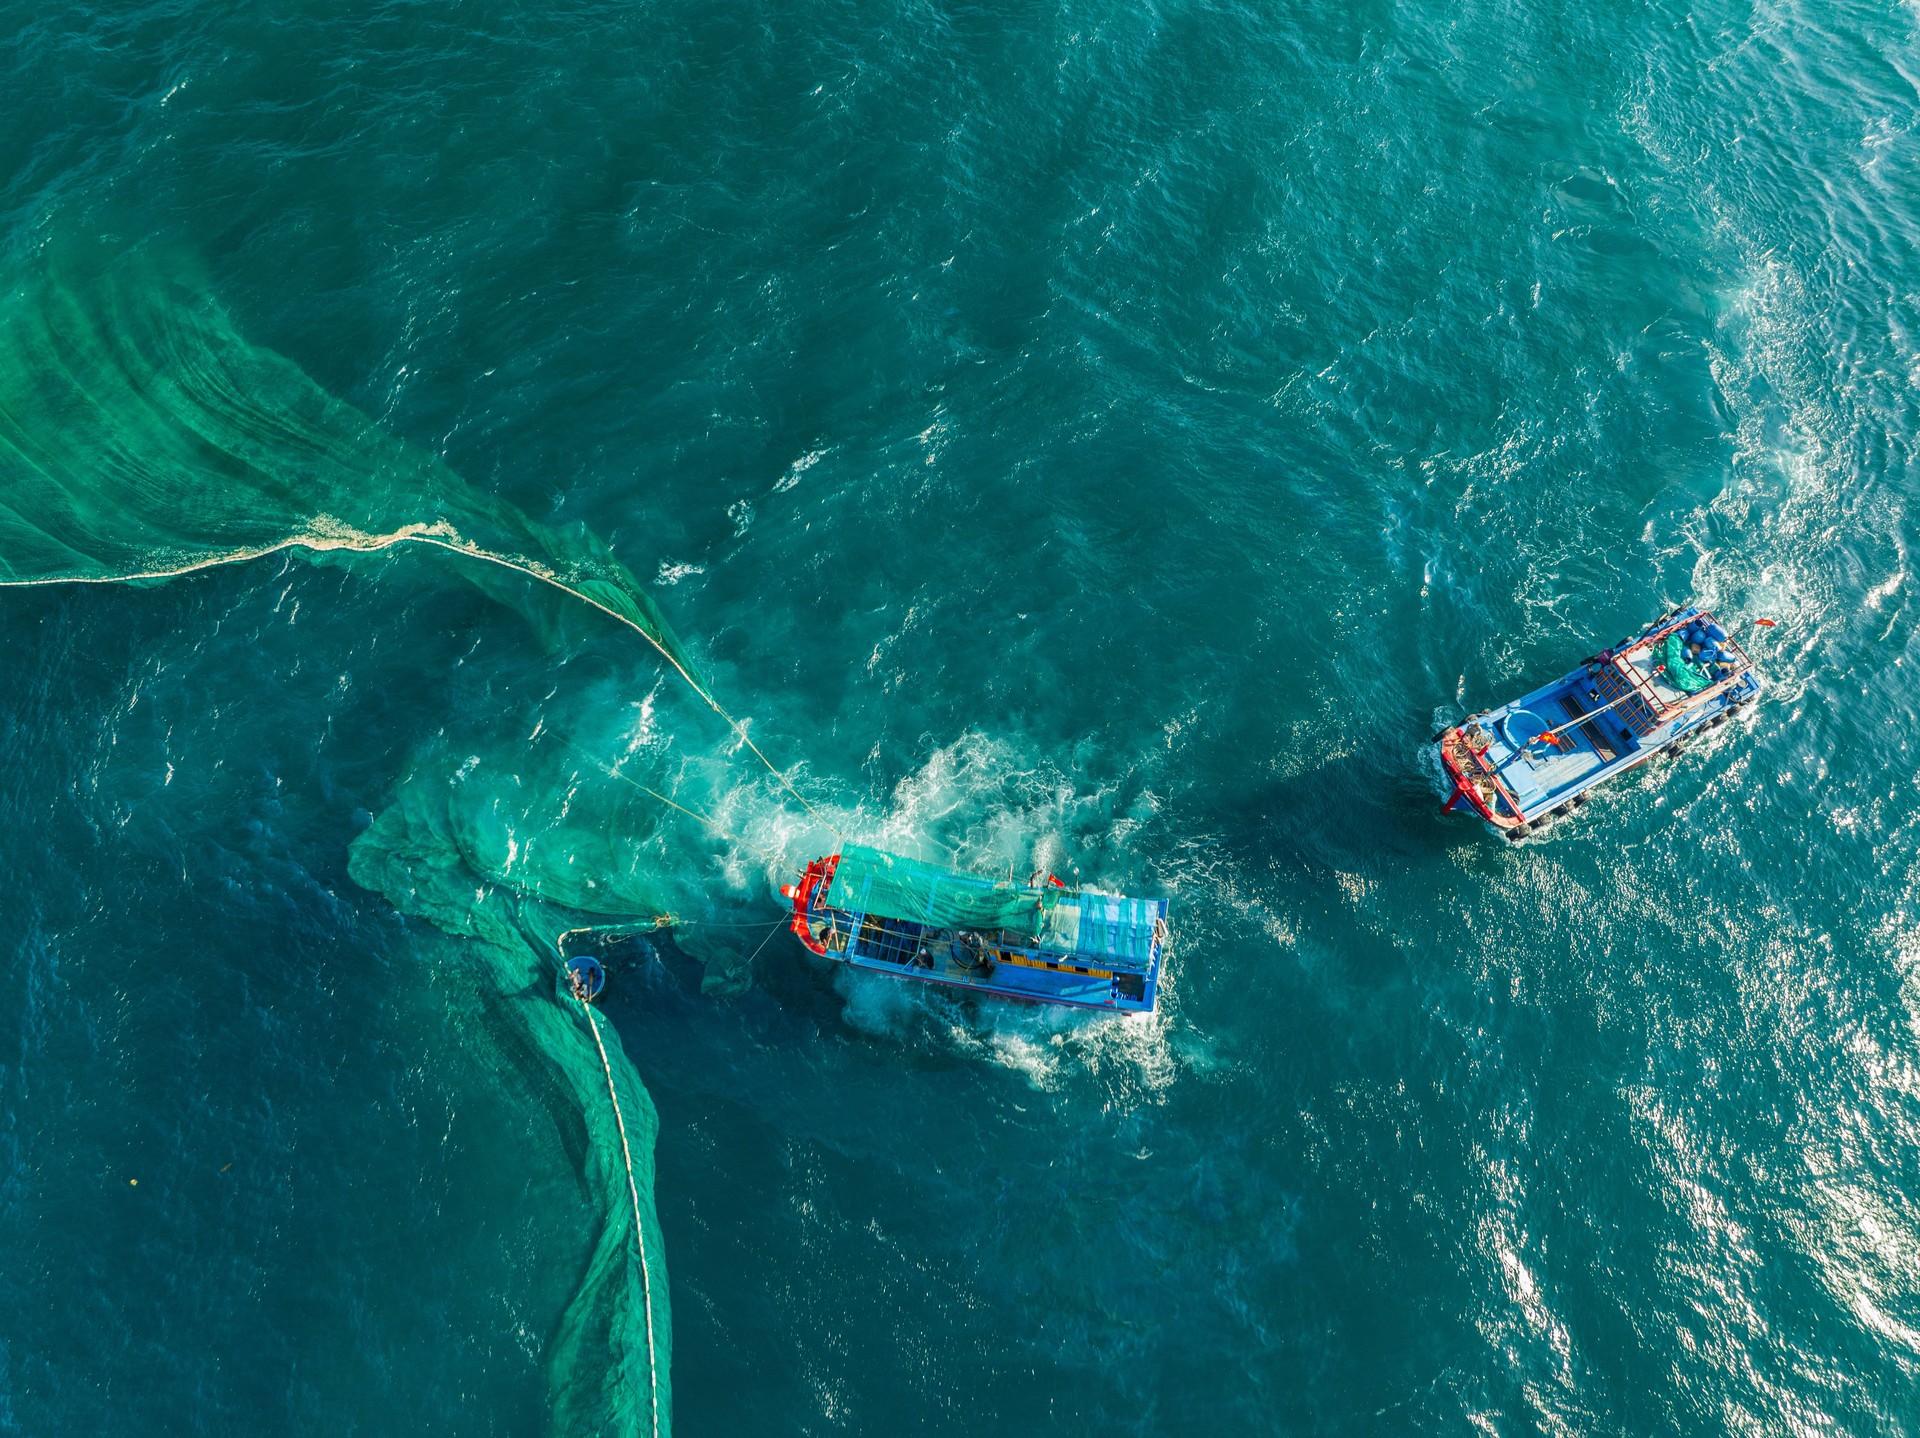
1646	710
1633	699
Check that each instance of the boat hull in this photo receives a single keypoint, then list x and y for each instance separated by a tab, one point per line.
989	964
1537	758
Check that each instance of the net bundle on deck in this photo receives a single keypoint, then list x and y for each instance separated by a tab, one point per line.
1685	675
876	882
1046	916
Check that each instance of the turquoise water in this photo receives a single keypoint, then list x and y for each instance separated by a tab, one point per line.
1108	437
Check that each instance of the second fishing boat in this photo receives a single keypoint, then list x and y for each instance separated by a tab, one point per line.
1536	758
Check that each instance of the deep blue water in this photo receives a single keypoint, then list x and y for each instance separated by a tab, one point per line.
1115	435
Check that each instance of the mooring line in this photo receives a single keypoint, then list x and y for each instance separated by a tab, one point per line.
639	1232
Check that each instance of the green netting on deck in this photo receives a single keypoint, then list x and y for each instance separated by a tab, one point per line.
1682	673
871	881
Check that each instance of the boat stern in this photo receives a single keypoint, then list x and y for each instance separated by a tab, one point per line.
803	895
1476	784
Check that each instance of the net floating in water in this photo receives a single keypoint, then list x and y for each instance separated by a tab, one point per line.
143	437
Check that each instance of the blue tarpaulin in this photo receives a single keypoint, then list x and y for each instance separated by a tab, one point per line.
1116	927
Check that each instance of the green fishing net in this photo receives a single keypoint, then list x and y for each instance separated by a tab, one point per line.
141	436
1682	672
511	861
872	881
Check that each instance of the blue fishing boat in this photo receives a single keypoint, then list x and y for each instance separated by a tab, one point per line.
1044	942
1536	759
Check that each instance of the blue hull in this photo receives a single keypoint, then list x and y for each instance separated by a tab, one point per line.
1536	758
1114	967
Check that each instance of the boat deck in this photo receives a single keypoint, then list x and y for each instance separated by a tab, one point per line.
1617	710
1540	775
899	946
1114	965
1645	667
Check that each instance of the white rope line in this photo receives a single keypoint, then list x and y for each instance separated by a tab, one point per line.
416	534
777	927
639	1233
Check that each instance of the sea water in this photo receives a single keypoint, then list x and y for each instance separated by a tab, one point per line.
1109	439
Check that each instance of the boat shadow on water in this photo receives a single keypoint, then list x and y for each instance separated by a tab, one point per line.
1358	813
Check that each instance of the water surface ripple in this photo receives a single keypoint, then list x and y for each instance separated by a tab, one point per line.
1127	430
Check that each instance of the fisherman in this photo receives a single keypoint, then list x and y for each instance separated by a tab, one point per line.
580	979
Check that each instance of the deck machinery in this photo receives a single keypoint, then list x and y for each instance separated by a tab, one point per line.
1536	758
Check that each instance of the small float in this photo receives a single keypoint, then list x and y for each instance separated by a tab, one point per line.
1536	758
585	977
1044	942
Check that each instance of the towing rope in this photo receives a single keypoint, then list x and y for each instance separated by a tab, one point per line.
639	1233
708	820
443	536
779	924
540	573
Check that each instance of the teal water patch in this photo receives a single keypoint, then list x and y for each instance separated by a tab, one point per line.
1107	441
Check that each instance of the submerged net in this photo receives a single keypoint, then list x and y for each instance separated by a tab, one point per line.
141	437
496	858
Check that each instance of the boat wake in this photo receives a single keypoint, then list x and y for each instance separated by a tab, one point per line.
1132	1058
